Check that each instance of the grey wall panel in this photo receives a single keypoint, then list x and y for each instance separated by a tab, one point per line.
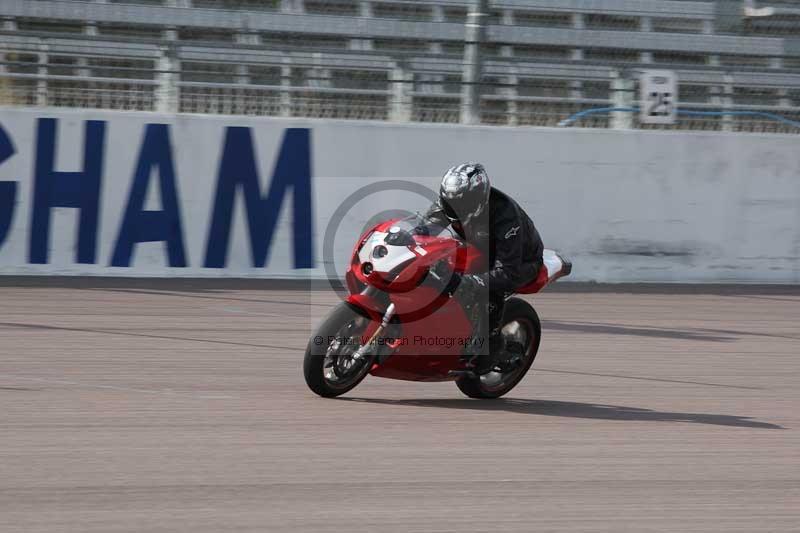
625	206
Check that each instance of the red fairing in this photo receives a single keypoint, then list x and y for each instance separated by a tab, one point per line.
428	251
371	306
356	284
423	353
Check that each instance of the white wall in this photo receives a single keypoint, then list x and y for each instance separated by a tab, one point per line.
625	206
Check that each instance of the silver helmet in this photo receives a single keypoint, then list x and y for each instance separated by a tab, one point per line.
464	192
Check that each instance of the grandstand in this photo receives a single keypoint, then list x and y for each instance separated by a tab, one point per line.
498	62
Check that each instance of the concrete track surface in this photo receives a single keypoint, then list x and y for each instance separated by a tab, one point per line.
183	408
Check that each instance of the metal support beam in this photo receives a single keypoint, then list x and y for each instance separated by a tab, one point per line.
474	35
6	84
84	71
401	84
293	6
364	11
243	70
576	54
167	91
286	84
646	25
41	84
512	107
622	95
728	15
722	95
727	103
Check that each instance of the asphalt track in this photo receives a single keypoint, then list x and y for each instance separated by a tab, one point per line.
161	407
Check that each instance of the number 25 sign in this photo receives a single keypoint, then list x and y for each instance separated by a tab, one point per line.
658	96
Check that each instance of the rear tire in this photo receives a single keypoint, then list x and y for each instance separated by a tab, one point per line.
522	313
317	353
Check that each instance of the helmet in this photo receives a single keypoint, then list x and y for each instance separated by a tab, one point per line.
464	192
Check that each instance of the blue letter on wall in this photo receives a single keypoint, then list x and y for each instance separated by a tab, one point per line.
80	190
151	226
238	170
8	189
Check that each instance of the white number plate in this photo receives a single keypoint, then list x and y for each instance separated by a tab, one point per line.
658	97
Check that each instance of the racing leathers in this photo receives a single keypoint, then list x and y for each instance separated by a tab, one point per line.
509	241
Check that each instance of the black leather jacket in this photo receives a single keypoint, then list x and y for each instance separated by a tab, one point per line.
508	238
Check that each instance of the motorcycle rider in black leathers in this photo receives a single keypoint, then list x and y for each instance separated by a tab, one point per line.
507	238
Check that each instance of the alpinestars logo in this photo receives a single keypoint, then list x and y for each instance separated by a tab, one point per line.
513	231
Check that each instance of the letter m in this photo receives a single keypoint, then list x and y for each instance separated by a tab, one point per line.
238	171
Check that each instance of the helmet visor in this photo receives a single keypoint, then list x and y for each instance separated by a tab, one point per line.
464	207
449	211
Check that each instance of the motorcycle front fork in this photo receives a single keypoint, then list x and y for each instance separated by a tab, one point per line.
364	349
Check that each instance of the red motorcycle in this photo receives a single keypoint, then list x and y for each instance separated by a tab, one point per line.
399	322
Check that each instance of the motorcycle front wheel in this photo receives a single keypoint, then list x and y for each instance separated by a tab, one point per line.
520	325
329	366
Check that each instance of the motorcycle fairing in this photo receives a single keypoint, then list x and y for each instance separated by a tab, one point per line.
418	356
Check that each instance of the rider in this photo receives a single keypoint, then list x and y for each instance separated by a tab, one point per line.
498	227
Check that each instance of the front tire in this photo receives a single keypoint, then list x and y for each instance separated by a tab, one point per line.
328	366
519	319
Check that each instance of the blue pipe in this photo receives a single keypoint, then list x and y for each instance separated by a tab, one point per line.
595	111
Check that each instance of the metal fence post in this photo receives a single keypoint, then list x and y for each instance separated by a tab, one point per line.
437	15
9	24
576	54
286	84
292	6
622	96
243	70
646	25
512	93
6	89
727	103
41	82
401	85
474	34
167	89
364	11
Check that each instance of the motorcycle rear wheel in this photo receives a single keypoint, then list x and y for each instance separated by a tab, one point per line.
328	366
520	321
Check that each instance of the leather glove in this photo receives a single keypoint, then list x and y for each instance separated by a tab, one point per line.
470	284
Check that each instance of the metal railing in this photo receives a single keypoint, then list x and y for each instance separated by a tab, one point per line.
401	60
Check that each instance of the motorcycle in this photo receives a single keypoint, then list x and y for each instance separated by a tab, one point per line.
399	321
